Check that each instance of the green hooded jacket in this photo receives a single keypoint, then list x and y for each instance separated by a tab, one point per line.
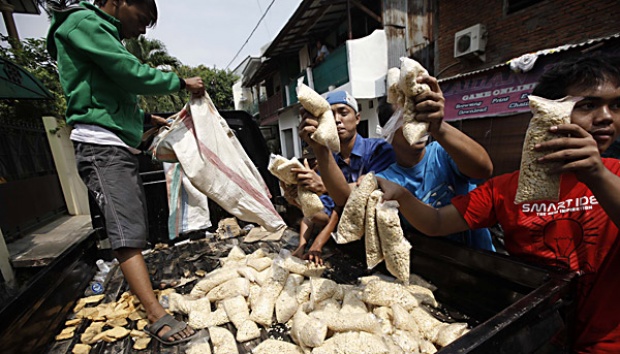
101	79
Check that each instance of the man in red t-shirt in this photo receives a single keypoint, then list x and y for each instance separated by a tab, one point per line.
580	231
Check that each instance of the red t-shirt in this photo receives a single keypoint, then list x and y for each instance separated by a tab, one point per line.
574	232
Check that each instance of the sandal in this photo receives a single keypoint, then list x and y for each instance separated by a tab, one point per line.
175	327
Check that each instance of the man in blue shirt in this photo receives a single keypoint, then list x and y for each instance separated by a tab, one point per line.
451	165
357	156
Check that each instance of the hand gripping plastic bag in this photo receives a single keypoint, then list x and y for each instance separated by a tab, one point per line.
215	163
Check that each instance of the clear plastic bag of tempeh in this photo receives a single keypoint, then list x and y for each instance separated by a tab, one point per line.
535	182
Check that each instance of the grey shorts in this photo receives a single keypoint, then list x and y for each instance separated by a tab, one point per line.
112	177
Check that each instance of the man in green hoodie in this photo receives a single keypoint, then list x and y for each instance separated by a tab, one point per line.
101	80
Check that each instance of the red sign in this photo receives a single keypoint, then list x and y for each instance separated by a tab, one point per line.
494	93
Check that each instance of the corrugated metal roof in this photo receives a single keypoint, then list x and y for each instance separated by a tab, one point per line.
311	20
24	6
542	52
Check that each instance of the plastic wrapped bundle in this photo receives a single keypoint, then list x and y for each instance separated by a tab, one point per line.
274	162
280	167
231	288
352	303
384	314
262	311
353	342
237	310
310	202
363	322
312	102
248	272
286	304
321	289
535	182
254	294
205	318
382	293
423	294
426	322
271	346
351	225
408	342
374	254
303	292
260	264
223	341
284	171
199	348
449	333
396	249
395	95
212	280
413	131
307	331
179	303
403	320
326	133
235	256
410	70
426	347
247	331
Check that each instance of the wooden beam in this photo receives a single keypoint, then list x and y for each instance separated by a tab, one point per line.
367	11
5	264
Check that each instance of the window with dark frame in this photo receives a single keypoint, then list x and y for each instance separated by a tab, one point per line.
516	5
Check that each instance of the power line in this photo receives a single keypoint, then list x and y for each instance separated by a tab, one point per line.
260	8
250	36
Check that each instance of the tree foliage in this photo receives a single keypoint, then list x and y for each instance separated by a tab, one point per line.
33	56
218	83
152	52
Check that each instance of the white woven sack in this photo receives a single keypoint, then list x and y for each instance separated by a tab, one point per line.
188	208
216	164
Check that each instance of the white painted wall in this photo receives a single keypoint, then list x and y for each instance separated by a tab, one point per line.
237	92
289	119
368	65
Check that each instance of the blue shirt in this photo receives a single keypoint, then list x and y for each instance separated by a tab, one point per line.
368	154
435	181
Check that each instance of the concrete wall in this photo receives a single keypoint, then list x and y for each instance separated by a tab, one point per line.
74	190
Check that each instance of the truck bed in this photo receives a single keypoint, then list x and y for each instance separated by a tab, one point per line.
511	307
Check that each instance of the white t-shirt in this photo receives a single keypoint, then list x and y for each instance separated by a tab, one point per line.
94	134
323	51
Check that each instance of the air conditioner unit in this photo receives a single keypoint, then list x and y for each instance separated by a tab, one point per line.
471	41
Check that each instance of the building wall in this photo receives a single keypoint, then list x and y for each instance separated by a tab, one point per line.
368	59
547	24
